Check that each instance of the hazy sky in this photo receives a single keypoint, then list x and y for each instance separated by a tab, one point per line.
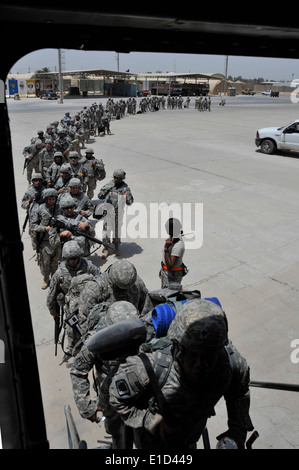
136	62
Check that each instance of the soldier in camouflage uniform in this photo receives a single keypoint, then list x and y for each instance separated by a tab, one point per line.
65	175
197	369
119	282
32	198
51	133
84	205
47	248
78	169
53	172
95	170
72	264
73	219
118	194
46	157
31	154
63	143
85	360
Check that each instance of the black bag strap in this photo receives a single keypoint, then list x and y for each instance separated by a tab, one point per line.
162	404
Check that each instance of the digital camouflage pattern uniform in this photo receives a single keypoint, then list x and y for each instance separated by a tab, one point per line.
118	194
73	219
105	368
31	200
119	282
200	326
32	153
83	203
48	249
61	282
95	171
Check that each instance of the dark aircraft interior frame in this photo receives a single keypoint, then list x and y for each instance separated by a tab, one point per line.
28	26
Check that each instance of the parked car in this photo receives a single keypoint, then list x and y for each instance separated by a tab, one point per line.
271	93
48	94
271	139
74	91
248	91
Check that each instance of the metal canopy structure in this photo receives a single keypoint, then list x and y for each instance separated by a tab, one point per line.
187	76
139	76
92	72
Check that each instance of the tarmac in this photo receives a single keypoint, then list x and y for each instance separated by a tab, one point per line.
243	250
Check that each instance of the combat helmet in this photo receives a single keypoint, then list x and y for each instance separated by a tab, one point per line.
37	176
66	168
67	201
121	310
75	182
123	274
49	192
71	249
120	174
200	326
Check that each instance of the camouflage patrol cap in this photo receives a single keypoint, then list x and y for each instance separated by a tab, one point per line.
200	326
121	310
120	174
123	274
71	249
74	182
49	192
67	201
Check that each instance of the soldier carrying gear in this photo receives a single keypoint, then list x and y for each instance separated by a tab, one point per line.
47	248
120	281
72	225
63	181
72	264
84	205
118	194
31	154
32	198
53	172
123	274
105	364
95	171
191	375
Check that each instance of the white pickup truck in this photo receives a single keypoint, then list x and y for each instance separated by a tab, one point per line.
271	139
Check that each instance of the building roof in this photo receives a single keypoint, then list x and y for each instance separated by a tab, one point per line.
140	76
190	75
92	72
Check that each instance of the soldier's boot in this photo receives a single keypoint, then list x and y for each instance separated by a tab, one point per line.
105	253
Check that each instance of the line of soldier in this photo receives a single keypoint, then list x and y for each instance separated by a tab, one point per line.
162	359
62	183
203	104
